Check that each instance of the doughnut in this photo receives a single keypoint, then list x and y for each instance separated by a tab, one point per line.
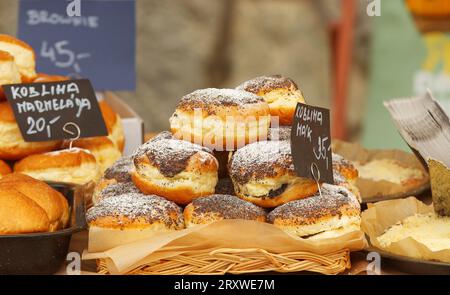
53	203
4	169
221	119
263	173
43	78
225	187
333	213
279	133
345	168
103	149
9	73
218	207
75	166
133	216
281	93
12	145
23	56
175	169
119	172
20	214
113	124
345	174
115	189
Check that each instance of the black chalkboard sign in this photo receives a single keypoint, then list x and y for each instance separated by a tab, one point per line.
311	143
56	110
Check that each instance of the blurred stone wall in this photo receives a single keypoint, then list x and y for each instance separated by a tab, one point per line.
185	45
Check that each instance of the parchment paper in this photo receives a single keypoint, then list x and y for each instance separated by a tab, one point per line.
237	234
375	190
380	216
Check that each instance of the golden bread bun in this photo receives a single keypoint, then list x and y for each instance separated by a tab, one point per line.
43	78
104	150
4	169
23	56
334	212
281	93
212	208
177	170
53	202
76	166
9	73
263	173
20	214
12	145
113	125
136	211
221	119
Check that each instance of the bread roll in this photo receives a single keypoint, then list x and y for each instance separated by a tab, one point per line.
76	166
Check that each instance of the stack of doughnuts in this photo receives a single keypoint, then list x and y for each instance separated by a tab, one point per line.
17	65
223	160
28	205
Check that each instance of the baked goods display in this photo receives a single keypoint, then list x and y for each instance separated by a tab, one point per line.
263	173
17	65
217	207
221	119
175	169
332	212
281	93
28	205
76	166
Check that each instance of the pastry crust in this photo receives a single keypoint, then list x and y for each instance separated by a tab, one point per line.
281	93
336	210
263	173
24	56
76	166
177	170
221	119
218	207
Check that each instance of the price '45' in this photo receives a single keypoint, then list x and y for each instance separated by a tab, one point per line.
62	56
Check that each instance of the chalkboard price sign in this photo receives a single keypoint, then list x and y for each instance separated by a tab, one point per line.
95	40
56	110
311	143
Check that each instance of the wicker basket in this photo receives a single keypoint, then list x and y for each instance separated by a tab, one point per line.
241	261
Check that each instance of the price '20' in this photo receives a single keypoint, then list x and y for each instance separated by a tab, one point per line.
40	125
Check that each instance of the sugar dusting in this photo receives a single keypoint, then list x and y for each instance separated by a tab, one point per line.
257	160
332	201
228	207
203	98
136	205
